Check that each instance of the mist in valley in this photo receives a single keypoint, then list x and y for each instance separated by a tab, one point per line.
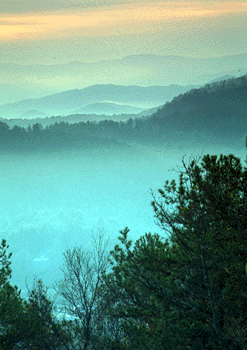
51	202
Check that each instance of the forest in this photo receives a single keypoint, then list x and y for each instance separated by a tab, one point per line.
185	292
215	111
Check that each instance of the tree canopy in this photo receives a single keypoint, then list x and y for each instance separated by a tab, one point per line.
186	290
25	324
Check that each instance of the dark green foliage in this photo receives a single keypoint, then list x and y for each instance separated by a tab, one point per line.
209	227
11	305
43	330
188	292
26	324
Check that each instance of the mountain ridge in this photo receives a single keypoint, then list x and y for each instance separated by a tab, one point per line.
68	102
218	109
215	113
140	70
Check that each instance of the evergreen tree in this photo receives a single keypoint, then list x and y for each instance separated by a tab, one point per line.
11	304
188	292
209	228
28	325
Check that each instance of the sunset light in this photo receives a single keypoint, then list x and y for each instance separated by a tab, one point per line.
109	20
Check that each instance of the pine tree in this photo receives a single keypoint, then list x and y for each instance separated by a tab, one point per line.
209	227
28	324
188	291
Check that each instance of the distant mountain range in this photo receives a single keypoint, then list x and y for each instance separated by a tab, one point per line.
25	121
69	101
109	108
215	114
98	99
19	82
33	113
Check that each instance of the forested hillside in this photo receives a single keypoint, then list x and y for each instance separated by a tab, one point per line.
215	113
219	108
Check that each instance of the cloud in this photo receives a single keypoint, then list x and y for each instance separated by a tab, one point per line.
108	20
20	6
27	6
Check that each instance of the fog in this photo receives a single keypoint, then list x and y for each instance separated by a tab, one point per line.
50	202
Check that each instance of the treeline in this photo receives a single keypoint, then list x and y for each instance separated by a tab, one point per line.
188	291
56	136
216	112
223	87
77	135
218	109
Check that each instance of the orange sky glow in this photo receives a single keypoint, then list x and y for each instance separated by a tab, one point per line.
115	20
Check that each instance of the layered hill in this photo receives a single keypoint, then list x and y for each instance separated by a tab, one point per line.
19	82
214	115
109	108
69	102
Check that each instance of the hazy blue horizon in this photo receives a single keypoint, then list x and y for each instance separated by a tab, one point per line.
52	202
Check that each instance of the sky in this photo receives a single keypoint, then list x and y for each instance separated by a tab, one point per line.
61	31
